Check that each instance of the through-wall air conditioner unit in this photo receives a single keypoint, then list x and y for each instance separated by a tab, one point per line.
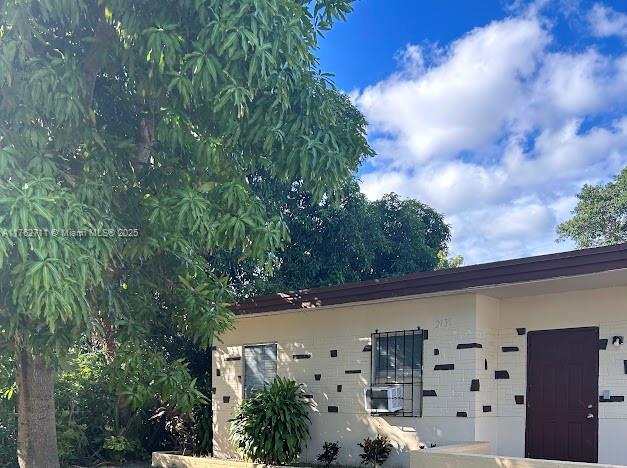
384	398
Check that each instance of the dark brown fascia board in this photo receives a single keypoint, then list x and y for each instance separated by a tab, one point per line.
564	264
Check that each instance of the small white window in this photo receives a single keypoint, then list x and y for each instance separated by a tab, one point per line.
259	367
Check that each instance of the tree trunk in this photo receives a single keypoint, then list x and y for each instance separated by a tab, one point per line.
36	430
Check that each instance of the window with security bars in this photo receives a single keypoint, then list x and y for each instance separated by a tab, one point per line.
259	367
397	360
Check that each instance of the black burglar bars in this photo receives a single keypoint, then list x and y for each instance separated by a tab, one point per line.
396	359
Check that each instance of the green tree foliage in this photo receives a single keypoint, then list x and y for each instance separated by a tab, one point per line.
345	239
600	216
85	404
131	132
8	419
273	424
444	261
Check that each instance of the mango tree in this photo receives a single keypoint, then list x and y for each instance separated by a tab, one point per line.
131	132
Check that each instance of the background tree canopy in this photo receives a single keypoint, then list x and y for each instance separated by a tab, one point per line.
132	135
600	216
344	240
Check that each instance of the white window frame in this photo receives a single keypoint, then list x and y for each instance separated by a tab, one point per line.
254	345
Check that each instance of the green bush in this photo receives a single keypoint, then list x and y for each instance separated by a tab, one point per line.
105	409
8	418
330	451
8	433
273	424
375	451
84	406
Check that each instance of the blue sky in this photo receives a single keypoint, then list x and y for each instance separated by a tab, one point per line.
494	112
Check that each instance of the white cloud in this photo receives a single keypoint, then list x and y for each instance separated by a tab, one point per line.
607	22
457	104
570	85
498	131
560	160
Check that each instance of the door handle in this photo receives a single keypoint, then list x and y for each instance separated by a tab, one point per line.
590	416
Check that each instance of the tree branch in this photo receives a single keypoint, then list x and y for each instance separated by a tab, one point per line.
95	57
145	138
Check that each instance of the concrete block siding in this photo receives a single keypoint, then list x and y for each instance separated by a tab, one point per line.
494	412
602	308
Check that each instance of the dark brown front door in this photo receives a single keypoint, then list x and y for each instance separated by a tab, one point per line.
562	394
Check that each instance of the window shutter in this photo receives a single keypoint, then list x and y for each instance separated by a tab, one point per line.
259	367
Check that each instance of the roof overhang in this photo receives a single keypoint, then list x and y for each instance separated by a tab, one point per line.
577	269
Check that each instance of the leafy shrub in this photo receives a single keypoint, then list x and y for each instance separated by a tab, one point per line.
202	430
8	433
177	425
119	448
375	451
330	451
273	424
84	406
104	406
8	418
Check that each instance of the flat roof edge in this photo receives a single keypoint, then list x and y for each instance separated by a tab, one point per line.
563	264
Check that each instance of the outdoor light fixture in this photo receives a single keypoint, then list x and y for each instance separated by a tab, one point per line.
618	340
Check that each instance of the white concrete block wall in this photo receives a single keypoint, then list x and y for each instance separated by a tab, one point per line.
487	335
450	320
602	308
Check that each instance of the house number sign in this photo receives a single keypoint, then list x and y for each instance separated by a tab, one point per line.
443	323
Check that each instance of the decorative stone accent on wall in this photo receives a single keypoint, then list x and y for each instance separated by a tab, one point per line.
226	399
603	343
332	409
487	409
317	376
436	352
444	367
462	414
429	393
510	349
217	372
475	385
234	358
353	371
301	356
367	348
521	331
612	399
333	353
339	388
519	399
469	346
501	374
